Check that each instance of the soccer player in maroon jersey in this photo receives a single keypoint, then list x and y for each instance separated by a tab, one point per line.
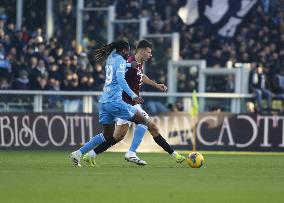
135	77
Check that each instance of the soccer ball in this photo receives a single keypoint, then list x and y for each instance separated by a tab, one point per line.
195	160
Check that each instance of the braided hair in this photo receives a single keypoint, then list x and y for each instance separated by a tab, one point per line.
100	54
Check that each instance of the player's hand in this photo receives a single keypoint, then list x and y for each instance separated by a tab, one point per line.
138	100
162	87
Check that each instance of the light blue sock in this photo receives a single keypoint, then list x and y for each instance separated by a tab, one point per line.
94	141
138	136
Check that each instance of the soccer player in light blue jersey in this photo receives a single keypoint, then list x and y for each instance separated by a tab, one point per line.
111	104
135	77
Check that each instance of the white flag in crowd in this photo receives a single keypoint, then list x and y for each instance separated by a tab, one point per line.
222	16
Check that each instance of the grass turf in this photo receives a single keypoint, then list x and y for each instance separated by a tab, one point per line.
49	177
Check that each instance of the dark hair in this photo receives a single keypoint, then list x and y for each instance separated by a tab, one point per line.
99	55
142	44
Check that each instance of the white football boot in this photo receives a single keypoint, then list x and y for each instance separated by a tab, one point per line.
75	158
132	157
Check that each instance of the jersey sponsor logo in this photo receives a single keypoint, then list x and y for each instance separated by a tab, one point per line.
121	67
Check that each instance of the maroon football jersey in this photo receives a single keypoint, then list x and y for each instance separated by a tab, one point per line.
133	77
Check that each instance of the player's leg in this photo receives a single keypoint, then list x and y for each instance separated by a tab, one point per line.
158	138
119	133
139	132
125	111
121	128
130	113
107	120
106	135
153	129
89	157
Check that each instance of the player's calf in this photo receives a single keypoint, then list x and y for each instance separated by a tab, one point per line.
153	129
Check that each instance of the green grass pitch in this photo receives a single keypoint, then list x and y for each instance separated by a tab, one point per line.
37	176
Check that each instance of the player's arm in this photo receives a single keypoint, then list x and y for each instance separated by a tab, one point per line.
120	75
148	81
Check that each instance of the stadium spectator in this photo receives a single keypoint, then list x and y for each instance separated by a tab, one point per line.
34	14
4	85
22	82
258	85
66	24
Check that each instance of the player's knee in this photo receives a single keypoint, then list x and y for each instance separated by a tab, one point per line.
140	119
120	132
143	121
118	136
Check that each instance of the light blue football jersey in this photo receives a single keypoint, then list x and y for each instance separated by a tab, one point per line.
115	82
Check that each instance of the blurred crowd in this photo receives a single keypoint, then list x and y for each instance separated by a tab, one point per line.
30	62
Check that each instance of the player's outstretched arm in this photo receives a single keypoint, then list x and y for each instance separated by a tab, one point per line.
148	81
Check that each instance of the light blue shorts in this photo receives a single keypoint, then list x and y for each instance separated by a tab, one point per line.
109	112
